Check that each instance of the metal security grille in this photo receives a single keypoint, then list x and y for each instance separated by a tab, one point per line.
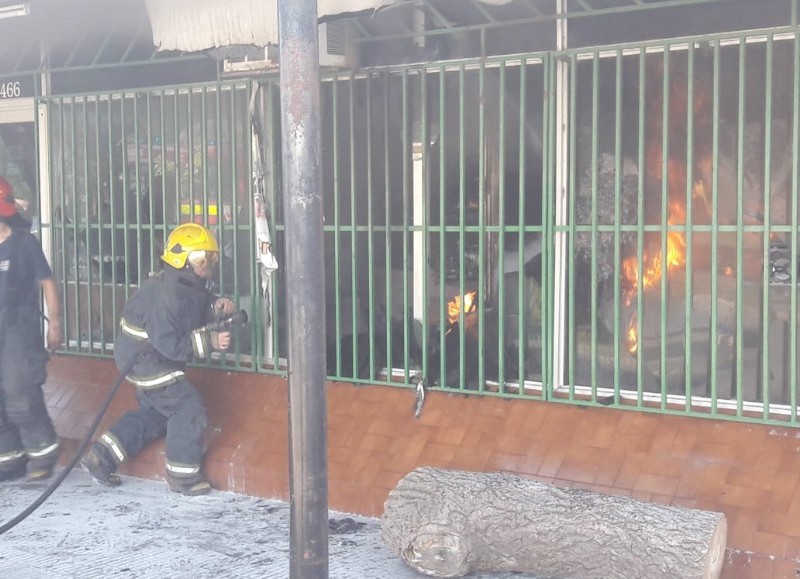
679	227
434	223
126	168
611	226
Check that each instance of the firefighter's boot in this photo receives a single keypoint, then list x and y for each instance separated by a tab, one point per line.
192	488
14	472
39	474
101	466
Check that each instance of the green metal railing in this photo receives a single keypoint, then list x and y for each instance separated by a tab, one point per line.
129	167
681	230
662	277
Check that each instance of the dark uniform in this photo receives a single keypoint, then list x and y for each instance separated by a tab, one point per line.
158	328
164	325
26	431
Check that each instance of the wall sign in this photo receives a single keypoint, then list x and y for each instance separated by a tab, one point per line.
14	89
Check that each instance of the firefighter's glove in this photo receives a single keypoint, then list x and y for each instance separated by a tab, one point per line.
204	340
220	340
223	307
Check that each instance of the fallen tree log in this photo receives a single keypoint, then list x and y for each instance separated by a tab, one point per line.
447	523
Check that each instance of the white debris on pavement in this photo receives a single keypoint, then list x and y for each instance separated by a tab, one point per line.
141	530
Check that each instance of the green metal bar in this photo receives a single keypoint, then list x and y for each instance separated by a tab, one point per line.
178	160
150	183
101	227
765	302
482	136
215	163
423	119
500	297
136	193
442	299
407	153
573	183
162	139
125	196
617	218
112	194
337	223
521	235
87	217
190	144
547	218
594	168
389	246
462	217
665	221
202	159
370	232
353	236
640	221
74	226
689	266
233	137
794	219
225	229
56	149
740	228
714	334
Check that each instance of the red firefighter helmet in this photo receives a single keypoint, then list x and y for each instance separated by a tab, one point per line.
8	205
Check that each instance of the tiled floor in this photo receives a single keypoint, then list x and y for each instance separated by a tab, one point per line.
749	472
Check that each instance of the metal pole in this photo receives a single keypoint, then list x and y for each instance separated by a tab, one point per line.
302	195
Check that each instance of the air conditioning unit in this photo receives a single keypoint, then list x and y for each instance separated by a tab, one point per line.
336	46
336	50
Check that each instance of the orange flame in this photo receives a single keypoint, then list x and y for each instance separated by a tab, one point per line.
633	337
653	264
454	306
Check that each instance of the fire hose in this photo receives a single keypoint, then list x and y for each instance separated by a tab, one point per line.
224	324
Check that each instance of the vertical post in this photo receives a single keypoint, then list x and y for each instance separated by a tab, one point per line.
45	207
563	131
418	153
302	195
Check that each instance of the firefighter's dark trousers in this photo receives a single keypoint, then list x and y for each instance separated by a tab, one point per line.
176	410
26	431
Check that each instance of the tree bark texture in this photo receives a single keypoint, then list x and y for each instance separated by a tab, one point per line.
446	523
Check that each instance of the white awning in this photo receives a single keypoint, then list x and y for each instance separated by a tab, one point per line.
193	25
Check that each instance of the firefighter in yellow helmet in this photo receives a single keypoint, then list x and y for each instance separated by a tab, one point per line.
163	325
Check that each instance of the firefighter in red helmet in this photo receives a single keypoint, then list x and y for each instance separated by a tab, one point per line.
28	441
164	326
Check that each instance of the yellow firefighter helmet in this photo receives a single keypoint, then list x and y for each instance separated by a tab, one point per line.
190	242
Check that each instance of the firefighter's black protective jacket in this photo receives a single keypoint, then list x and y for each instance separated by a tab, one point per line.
167	312
162	328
